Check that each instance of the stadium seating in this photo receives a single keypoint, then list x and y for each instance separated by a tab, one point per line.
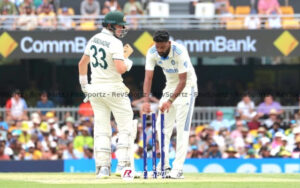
157	9
234	24
205	10
290	24
242	11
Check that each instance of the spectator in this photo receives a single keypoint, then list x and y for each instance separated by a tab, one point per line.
69	127
3	124
285	154
3	156
32	153
45	5
83	140
47	19
230	153
89	8
111	5
71	153
213	151
254	124
85	109
251	154
268	123
16	107
133	8
252	21
264	152
65	21
246	107
193	152
7	150
26	3
28	20
274	21
265	107
276	144
44	103
268	7
88	153
262	137
222	9
54	125
276	128
8	6
24	137
37	3
219	122
223	139
64	139
6	23
296	151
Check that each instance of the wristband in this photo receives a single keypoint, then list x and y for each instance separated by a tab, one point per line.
83	79
171	100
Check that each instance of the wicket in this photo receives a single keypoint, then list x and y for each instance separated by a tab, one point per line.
162	153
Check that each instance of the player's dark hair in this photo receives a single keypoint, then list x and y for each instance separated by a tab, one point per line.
161	36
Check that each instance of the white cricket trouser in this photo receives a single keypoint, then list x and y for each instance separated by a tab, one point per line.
180	114
107	98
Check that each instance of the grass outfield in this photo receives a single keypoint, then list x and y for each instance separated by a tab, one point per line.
64	180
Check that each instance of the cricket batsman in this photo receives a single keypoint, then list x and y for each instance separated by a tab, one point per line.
107	92
177	102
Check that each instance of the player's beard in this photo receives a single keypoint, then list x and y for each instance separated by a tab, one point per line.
164	54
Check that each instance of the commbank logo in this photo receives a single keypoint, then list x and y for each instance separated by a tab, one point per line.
8	44
143	43
286	43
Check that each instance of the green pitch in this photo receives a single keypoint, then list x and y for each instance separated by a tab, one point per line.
64	180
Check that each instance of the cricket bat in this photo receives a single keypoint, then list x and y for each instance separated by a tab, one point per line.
127	50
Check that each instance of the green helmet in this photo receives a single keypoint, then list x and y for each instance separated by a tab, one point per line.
115	18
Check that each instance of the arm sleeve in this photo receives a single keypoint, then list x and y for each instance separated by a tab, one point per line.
150	62
117	51
183	62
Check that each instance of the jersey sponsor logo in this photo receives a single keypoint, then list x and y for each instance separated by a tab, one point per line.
220	44
29	45
171	70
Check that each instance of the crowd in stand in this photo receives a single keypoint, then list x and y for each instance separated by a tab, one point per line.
254	132
47	14
269	14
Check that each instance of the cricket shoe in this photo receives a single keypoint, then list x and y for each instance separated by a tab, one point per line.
165	173
120	168
175	174
103	172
